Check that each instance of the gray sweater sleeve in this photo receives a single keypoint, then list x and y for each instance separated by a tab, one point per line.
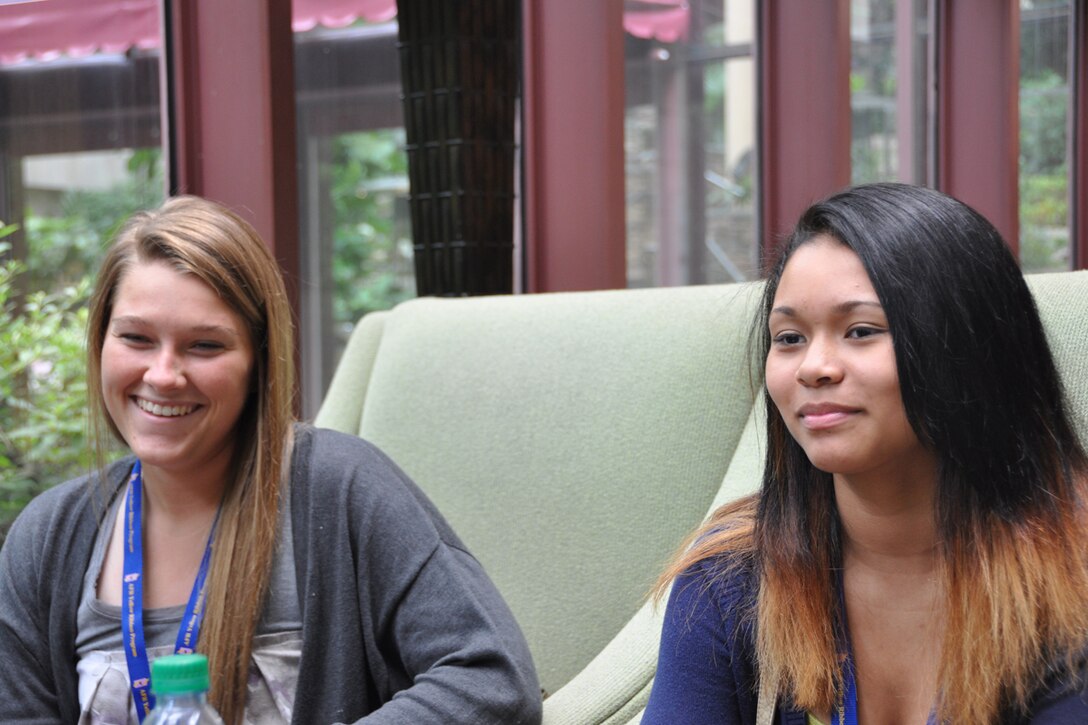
28	692
400	623
459	649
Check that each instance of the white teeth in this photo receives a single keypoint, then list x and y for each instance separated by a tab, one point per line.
166	411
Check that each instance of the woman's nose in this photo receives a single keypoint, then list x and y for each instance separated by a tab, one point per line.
820	365
165	371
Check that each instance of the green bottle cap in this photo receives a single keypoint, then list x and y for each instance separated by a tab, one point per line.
179	674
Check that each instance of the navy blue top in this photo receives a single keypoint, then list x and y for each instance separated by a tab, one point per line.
706	670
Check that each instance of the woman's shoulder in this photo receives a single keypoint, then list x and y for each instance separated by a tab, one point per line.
354	489
333	447
1063	698
331	455
334	469
722	557
712	608
726	579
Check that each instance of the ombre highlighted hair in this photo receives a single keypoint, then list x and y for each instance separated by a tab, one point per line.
981	391
203	239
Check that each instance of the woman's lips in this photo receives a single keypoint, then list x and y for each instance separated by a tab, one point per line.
824	416
164	410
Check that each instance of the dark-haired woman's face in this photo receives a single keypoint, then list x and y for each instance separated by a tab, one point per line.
831	368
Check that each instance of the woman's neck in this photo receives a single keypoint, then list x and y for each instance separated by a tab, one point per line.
889	524
180	498
892	592
177	515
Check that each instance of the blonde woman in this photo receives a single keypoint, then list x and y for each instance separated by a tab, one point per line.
321	583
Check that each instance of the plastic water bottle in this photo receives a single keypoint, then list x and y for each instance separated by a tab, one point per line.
180	686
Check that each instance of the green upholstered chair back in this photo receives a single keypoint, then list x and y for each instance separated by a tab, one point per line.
1062	300
572	440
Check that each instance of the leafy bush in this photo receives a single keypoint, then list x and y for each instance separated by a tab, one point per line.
64	249
1044	199
1044	222
372	257
43	390
1044	108
1044	179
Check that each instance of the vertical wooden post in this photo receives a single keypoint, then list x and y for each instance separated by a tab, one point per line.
231	114
1078	187
804	81
978	118
575	233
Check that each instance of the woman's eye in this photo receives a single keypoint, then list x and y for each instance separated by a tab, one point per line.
787	338
133	338
863	332
207	346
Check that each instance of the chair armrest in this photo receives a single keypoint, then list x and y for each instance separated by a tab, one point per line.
615	686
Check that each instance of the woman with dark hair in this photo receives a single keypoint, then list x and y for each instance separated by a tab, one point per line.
320	582
918	549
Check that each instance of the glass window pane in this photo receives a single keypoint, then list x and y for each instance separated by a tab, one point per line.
889	69
1044	135
690	142
356	237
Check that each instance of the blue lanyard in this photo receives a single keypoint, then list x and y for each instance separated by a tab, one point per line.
848	706
132	623
848	702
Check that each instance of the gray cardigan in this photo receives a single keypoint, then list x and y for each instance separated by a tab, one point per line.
400	624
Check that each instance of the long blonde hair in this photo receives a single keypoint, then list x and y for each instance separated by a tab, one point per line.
981	391
199	237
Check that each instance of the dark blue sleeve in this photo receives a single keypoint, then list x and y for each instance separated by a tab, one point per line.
704	671
1070	708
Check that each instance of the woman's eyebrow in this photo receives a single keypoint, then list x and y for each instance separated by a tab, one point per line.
841	308
212	329
198	329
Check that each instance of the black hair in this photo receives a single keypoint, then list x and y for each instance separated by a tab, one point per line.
978	382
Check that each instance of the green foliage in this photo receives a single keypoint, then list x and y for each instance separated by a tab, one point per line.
371	267
1044	181
1044	107
43	391
64	249
1044	222
858	82
1044	199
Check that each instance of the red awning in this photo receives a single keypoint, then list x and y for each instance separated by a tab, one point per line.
48	29
665	20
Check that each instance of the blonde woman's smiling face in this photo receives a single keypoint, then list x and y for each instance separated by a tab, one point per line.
831	369
177	365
